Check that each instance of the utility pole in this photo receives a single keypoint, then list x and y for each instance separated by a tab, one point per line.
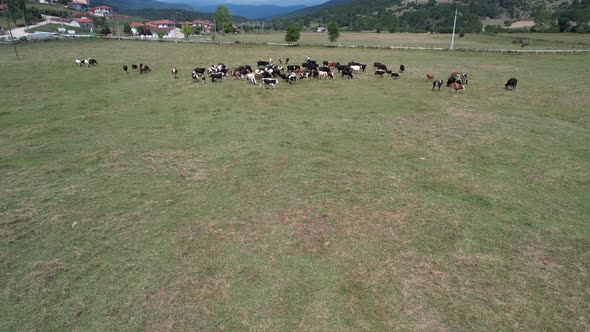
10	32
454	25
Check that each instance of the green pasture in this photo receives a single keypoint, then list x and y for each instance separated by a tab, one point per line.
469	41
143	202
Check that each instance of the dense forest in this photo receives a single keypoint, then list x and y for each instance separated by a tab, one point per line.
432	16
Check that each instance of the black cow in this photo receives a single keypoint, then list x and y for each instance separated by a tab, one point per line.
327	69
436	83
347	72
134	67
511	84
216	76
199	70
293	67
452	79
125	69
262	63
91	62
402	68
394	75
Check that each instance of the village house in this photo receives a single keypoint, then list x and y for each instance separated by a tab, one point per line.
82	22
162	24
105	11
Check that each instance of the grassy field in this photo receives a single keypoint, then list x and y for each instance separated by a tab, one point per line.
141	202
471	41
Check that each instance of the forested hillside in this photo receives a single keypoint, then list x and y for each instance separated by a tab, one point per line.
437	16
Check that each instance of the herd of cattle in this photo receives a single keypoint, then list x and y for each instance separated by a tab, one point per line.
268	74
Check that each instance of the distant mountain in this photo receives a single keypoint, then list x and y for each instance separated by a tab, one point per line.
252	11
141	4
312	9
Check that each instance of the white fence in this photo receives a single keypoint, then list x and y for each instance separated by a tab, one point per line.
406	48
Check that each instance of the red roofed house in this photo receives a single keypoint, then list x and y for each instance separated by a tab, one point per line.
162	24
82	22
102	11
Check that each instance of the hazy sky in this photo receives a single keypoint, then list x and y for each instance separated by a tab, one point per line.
254	2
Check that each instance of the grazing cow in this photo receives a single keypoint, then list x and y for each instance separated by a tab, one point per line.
174	72
134	67
380	72
200	70
196	77
287	60
402	68
511	84
216	76
304	75
340	67
347	72
356	68
91	62
452	79
437	83
272	82
291	78
143	68
80	62
251	78
380	66
125	69
262	63
394	75
464	78
455	87
429	76
323	74
363	66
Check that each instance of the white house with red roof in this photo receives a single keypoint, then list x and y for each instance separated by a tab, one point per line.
162	23
82	22
105	11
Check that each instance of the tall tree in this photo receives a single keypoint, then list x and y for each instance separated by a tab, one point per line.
222	18
333	32
293	34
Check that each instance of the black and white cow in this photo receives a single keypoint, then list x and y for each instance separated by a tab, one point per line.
80	62
196	76
380	72
91	62
174	72
437	83
511	84
394	75
271	82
